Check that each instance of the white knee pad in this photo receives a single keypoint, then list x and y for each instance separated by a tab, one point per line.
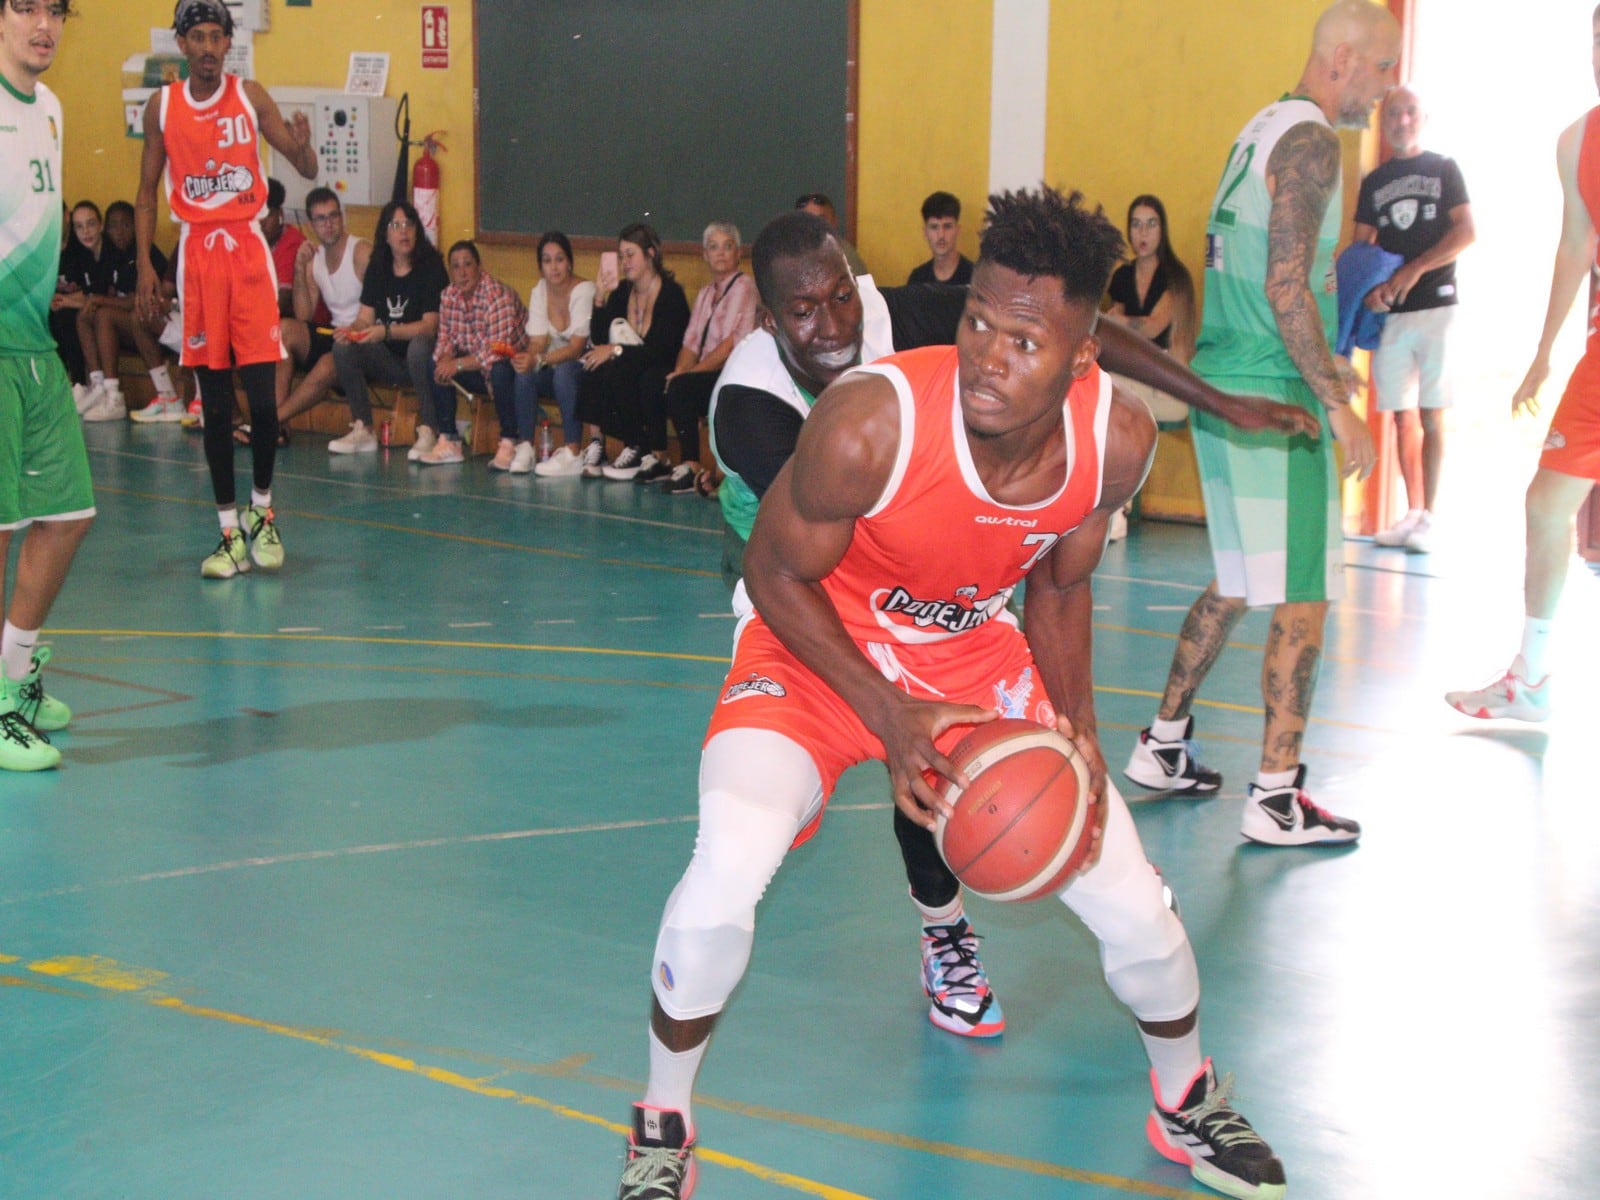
757	791
1144	949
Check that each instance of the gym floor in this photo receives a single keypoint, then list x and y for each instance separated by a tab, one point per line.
348	884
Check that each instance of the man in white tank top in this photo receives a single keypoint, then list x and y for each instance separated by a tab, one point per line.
327	274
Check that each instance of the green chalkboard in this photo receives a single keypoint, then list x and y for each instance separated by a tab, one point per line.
676	112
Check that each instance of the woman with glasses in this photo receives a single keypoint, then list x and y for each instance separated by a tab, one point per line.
391	340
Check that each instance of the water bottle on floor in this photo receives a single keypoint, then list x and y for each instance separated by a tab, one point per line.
546	442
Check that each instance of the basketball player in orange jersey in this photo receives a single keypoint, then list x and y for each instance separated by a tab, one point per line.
205	135
1569	468
926	476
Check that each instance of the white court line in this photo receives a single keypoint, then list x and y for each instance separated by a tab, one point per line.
638	618
718	616
301	629
471	625
1166	608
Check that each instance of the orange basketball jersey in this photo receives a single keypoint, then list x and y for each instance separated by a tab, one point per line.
937	557
213	154
1589	189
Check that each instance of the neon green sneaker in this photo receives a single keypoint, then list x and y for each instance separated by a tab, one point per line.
22	747
266	547
43	712
230	558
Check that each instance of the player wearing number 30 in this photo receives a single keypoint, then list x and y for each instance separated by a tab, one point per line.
204	134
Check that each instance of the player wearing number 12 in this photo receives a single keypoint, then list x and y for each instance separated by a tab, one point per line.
204	135
44	470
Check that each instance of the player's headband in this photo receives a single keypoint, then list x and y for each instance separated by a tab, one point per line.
190	13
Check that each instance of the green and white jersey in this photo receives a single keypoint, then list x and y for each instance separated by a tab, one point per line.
30	217
1238	332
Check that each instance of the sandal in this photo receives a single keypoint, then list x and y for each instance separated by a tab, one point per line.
241	435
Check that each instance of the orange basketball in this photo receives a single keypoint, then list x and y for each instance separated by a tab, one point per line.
1025	827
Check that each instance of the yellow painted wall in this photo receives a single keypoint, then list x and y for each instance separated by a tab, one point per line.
924	102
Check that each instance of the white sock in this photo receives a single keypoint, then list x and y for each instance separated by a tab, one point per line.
1169	731
1535	646
1272	780
260	499
1174	1062
672	1077
229	517
163	381
96	378
948	915
16	651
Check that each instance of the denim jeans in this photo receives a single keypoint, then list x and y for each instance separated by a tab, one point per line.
559	382
501	382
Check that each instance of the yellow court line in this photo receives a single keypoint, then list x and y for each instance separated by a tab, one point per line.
134	983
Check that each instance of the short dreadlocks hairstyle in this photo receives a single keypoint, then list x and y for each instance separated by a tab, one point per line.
1044	233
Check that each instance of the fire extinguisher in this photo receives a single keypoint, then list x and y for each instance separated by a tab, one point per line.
425	185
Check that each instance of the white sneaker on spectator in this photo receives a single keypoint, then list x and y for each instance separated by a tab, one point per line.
594	458
109	407
1397	533
1420	539
565	461
162	410
445	450
522	459
84	397
626	465
359	440
426	439
503	454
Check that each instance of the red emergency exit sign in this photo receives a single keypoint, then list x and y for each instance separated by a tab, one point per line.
436	36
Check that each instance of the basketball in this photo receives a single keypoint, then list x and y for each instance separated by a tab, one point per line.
1024	827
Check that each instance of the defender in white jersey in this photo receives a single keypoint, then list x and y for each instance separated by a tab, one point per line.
1272	510
44	470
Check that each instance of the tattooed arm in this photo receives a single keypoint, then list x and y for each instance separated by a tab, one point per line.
1302	175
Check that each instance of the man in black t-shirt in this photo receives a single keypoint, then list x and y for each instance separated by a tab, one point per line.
1415	205
941	226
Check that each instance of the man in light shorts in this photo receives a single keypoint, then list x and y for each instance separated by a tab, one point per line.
1415	205
44	469
1272	510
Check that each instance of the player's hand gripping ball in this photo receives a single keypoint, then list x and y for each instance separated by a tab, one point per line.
1026	826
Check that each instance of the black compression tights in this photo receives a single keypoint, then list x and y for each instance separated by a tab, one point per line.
216	398
932	884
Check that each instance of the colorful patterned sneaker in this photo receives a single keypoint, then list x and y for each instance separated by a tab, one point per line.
1171	766
1214	1142
194	416
1511	696
1286	816
956	983
160	411
266	546
45	713
660	1160
230	558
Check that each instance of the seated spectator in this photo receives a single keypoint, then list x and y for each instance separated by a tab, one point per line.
327	273
941	227
559	311
392	338
724	312
818	205
1154	294
636	330
284	240
481	324
88	271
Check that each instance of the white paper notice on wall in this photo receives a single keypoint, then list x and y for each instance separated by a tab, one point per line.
241	57
369	74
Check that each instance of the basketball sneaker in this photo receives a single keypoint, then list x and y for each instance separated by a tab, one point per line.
1511	696
1286	816
194	415
1397	533
22	747
230	558
660	1160
266	547
27	697
1171	766
1217	1145
162	410
956	983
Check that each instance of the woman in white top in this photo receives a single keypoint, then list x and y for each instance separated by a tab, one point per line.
559	310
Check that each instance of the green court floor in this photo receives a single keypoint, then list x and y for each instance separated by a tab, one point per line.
348	884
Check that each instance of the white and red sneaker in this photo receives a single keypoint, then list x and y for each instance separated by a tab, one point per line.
1287	816
1511	696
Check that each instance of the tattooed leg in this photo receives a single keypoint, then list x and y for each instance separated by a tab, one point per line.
1288	680
1205	632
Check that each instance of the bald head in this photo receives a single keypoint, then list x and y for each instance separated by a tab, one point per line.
1355	50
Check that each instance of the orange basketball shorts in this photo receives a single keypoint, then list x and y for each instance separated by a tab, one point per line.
228	289
1572	446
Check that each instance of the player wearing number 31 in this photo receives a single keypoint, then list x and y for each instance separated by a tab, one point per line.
205	135
923	488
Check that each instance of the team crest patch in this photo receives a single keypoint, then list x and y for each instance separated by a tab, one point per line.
227	181
666	975
755	685
1555	440
197	341
1404	213
1013	702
